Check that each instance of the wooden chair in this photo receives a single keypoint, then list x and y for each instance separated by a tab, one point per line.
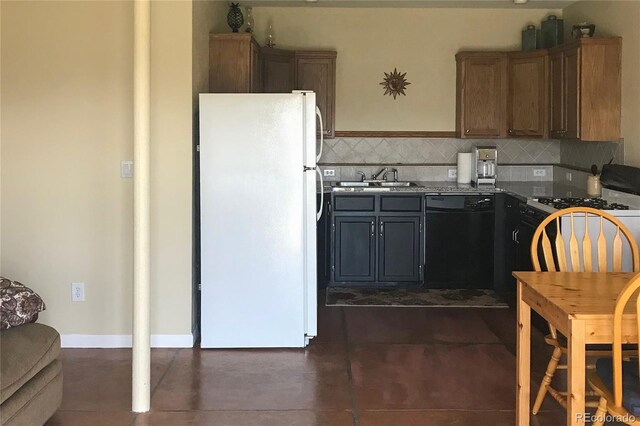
578	258
611	374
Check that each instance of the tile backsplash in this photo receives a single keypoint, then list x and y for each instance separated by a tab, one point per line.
435	150
575	153
431	159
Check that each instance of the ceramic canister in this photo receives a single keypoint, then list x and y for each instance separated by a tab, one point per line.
594	188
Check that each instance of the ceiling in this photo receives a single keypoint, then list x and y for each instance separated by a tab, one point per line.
487	4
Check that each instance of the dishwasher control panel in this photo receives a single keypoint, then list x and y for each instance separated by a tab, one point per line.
460	202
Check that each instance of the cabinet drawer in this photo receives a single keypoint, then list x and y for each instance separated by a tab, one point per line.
401	204
354	203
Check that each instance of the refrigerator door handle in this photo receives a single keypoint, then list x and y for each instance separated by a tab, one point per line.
319	114
319	213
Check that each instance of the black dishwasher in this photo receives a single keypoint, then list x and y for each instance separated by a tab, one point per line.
459	241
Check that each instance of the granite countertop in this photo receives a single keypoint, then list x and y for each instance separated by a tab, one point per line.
522	190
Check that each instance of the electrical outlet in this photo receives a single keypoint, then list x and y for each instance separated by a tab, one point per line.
539	172
126	169
453	173
569	176
77	292
329	172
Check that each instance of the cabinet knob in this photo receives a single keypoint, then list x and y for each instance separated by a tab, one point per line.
327	131
510	131
467	131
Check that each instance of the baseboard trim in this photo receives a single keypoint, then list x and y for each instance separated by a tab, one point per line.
124	340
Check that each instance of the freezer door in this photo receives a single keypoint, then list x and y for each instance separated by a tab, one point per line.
253	221
311	147
310	244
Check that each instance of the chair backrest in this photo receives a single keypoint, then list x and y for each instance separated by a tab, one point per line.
566	254
623	298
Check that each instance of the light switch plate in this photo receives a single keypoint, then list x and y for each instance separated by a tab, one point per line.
539	172
329	172
453	173
126	169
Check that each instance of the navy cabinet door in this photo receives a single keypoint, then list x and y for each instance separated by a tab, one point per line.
399	248
354	248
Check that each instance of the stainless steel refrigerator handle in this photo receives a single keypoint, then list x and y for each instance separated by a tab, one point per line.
319	114
319	214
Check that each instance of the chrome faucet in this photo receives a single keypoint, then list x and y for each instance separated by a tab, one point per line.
362	175
376	176
395	174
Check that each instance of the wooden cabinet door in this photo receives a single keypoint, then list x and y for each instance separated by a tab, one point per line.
482	96
556	95
354	248
278	70
571	93
527	102
399	249
601	89
256	68
316	71
231	62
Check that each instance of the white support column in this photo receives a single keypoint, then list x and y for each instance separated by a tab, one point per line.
141	378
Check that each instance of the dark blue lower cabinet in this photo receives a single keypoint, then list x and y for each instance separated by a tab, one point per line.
399	249
376	250
354	248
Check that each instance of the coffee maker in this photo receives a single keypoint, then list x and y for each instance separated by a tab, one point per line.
484	165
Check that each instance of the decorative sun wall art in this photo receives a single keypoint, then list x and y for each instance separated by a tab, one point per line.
394	83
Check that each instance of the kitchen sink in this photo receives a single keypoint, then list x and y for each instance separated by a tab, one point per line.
370	184
398	184
355	183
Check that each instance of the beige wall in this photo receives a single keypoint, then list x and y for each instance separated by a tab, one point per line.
171	193
620	18
66	125
420	42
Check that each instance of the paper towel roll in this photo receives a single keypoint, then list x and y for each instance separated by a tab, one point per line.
464	167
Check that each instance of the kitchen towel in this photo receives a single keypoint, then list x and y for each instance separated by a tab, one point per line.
464	167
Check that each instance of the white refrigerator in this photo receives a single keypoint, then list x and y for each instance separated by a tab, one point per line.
258	168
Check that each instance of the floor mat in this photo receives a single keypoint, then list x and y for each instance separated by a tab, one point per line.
433	298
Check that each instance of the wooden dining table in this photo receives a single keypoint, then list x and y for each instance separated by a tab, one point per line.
580	305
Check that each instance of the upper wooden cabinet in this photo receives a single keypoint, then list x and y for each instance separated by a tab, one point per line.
237	64
234	64
528	94
556	99
481	94
278	70
316	71
586	89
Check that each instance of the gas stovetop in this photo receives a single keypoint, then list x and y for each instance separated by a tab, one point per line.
596	203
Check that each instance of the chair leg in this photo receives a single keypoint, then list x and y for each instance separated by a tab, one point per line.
546	381
601	413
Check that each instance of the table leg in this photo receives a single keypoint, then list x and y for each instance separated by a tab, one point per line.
576	373
523	372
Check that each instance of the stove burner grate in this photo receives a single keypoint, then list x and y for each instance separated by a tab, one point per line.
596	203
